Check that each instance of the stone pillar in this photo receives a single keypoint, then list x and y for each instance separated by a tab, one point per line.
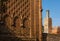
31	18
38	18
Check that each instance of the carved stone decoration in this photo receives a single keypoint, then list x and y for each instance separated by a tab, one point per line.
25	30
3	9
18	14
26	25
9	21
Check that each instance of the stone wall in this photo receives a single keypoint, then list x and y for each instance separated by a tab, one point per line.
51	37
15	39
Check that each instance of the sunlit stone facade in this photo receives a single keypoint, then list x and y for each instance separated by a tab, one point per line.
23	18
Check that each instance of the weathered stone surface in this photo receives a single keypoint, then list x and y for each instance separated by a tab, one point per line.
51	37
22	18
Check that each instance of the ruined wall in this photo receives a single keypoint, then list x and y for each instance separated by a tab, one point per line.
51	37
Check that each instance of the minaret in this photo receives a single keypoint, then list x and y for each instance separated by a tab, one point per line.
47	23
47	13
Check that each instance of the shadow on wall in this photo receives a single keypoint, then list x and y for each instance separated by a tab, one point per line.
5	32
3	7
44	37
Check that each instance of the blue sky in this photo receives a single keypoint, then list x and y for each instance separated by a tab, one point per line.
54	7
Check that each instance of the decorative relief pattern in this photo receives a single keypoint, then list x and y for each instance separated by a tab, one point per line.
16	12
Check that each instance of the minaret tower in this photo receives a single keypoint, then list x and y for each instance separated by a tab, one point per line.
47	13
47	23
